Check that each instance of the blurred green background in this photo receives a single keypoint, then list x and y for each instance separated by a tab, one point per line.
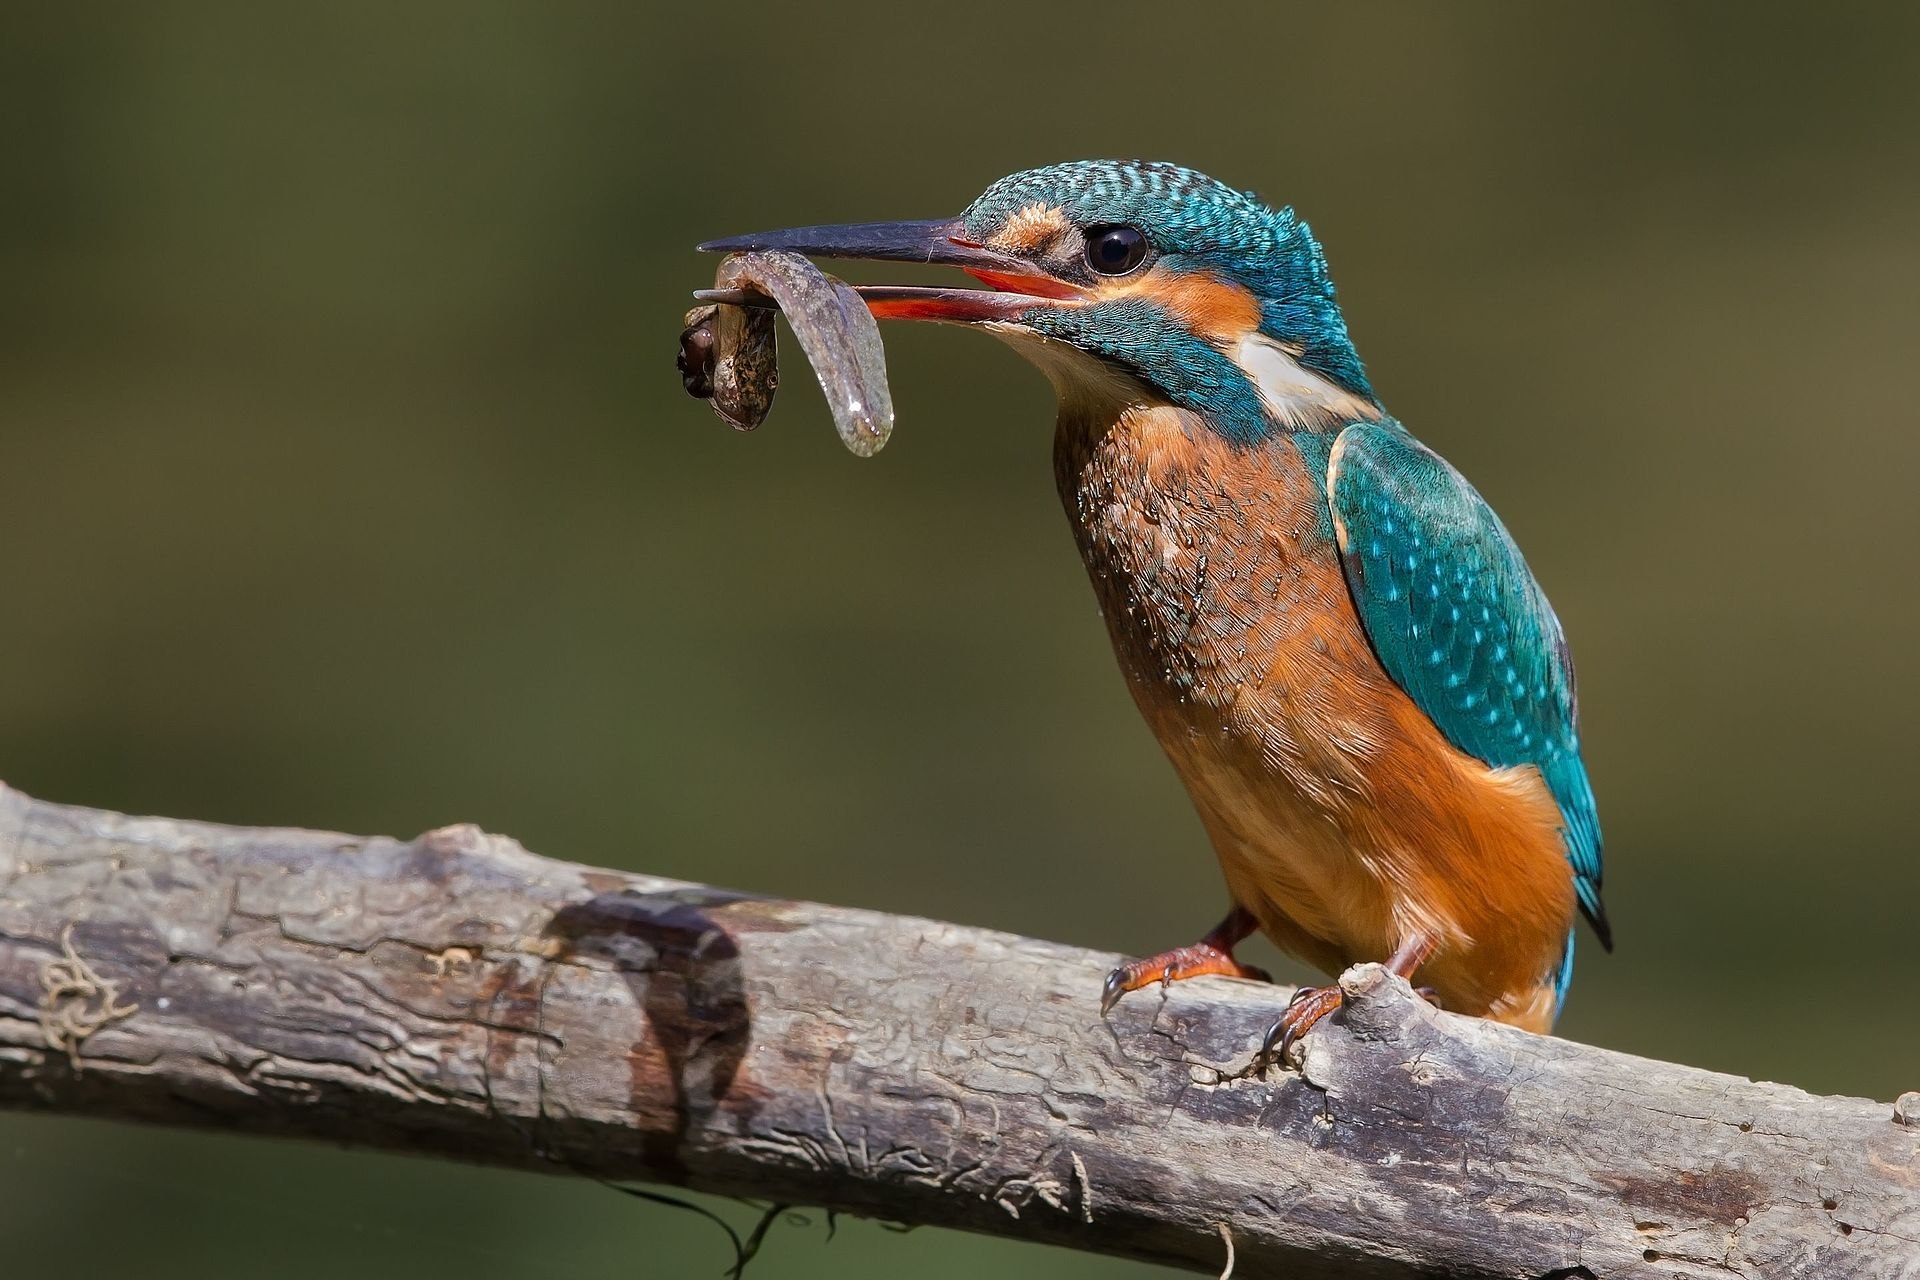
345	480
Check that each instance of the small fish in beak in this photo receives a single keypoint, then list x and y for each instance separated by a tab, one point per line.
728	354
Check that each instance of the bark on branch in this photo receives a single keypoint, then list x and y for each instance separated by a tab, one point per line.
458	995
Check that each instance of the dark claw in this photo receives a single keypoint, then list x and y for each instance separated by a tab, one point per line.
1270	1044
1281	1037
1115	987
1284	1034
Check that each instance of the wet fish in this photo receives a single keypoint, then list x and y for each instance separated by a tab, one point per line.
728	352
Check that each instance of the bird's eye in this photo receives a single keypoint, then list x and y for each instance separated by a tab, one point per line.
1114	251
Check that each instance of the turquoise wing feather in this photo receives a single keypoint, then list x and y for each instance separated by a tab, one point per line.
1459	623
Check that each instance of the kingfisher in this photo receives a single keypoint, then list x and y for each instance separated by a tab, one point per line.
1333	637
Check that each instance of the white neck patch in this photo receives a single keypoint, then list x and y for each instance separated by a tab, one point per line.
1296	397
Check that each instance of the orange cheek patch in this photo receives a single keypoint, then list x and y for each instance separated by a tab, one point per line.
1208	306
1029	228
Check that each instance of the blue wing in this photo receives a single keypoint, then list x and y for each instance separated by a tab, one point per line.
1459	623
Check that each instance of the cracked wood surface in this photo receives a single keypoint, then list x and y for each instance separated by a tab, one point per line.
457	995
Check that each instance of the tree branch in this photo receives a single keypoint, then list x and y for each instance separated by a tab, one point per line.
457	995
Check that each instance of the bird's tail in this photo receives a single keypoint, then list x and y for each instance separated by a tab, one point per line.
1563	977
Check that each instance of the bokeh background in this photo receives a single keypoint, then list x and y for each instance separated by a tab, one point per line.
345	480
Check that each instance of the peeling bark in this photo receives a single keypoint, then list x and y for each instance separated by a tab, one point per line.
457	995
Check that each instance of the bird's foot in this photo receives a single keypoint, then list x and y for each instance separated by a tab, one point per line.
1201	959
1308	1006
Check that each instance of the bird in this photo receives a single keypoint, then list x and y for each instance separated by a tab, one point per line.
1332	635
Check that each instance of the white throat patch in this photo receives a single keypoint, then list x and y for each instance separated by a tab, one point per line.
1296	397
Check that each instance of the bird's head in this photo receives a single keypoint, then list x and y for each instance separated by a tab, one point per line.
1131	279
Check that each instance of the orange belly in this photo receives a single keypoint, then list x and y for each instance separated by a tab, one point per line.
1343	819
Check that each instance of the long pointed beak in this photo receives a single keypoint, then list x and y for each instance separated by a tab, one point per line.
1016	285
938	241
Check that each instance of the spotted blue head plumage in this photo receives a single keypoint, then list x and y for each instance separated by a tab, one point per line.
1194	223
